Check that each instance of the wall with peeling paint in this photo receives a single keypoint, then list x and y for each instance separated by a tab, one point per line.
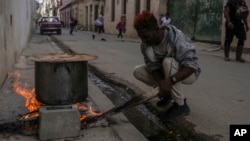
199	19
15	29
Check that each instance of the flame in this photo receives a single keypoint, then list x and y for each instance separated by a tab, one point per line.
29	94
89	111
33	105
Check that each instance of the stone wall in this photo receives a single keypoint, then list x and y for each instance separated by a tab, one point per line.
15	28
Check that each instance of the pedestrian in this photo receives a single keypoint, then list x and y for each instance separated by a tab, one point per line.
99	23
72	25
236	13
75	24
121	27
165	20
62	23
36	23
170	61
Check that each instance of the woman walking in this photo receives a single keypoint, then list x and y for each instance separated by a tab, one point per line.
121	27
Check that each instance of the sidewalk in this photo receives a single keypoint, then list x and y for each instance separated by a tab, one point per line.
12	104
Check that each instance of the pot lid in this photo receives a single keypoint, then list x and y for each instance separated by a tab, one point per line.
62	57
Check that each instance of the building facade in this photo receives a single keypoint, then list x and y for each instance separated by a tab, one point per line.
201	20
49	8
16	22
114	9
86	11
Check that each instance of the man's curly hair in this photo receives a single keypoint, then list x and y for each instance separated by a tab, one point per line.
145	20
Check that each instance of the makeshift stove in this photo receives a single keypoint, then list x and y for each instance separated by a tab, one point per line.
56	103
55	122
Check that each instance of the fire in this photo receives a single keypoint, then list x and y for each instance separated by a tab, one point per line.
88	110
33	105
29	94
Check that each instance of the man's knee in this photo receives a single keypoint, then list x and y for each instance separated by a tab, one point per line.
228	41
170	65
190	79
138	70
240	42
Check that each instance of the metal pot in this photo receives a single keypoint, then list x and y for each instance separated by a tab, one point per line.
61	81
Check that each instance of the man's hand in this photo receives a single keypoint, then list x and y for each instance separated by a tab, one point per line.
247	28
165	85
230	25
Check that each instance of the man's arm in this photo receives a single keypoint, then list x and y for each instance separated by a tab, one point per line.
227	17
184	72
246	24
166	84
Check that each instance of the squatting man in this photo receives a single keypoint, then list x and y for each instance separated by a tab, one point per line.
170	61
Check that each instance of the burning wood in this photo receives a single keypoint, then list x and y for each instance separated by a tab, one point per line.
28	120
137	100
23	89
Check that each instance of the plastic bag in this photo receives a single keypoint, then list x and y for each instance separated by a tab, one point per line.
98	22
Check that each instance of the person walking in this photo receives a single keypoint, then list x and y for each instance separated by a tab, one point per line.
75	24
170	61
165	20
72	25
236	13
99	22
121	27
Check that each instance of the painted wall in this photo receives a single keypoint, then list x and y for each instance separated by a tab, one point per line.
199	19
209	20
15	29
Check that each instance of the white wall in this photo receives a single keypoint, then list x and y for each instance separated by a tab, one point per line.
15	29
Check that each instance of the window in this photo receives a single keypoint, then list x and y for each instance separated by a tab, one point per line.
148	4
124	7
113	10
96	12
137	6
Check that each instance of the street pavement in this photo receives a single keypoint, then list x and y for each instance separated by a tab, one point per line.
219	98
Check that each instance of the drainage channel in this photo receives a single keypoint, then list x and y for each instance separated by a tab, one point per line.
139	116
144	117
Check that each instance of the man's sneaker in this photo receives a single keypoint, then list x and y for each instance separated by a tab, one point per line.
103	39
93	36
175	111
241	60
164	101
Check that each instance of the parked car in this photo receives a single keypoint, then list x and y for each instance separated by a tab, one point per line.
50	24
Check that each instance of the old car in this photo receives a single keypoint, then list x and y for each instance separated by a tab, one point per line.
50	24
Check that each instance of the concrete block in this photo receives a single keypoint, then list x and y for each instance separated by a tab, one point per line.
58	122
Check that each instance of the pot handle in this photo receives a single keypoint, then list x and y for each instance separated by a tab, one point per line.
62	66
